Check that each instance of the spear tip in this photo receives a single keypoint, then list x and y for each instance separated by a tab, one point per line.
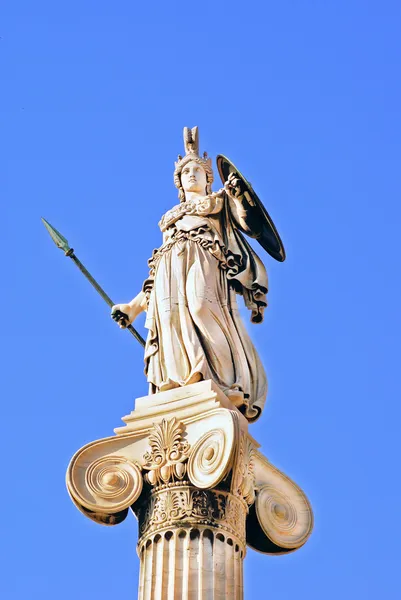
56	236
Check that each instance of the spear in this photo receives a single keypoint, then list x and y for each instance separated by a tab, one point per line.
62	243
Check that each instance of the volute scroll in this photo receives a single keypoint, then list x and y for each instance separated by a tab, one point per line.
211	458
105	477
281	519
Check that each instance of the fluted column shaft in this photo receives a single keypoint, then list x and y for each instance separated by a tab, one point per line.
196	563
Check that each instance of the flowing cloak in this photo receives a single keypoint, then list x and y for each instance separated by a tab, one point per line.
194	328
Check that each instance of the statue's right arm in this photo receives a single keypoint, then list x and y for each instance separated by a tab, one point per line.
124	314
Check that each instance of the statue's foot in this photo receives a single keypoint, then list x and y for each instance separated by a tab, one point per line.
171	385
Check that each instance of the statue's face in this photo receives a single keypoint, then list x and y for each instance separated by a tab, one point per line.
193	178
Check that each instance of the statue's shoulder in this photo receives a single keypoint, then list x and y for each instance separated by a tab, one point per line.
171	216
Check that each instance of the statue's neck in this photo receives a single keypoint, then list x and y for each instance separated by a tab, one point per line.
193	196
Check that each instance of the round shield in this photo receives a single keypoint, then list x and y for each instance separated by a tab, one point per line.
258	222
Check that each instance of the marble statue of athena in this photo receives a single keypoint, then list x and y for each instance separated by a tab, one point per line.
195	331
184	461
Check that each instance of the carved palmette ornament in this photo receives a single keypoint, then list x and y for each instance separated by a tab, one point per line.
168	453
206	463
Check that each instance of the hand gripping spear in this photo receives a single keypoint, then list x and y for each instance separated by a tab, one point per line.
62	243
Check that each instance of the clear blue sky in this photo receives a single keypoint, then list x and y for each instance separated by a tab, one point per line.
304	97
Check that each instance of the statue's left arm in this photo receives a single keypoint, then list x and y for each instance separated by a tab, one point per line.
249	276
241	205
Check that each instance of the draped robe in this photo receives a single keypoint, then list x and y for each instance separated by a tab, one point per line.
194	328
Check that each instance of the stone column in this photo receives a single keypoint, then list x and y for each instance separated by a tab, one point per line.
197	557
187	467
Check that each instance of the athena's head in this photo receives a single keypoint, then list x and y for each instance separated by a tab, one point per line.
193	173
